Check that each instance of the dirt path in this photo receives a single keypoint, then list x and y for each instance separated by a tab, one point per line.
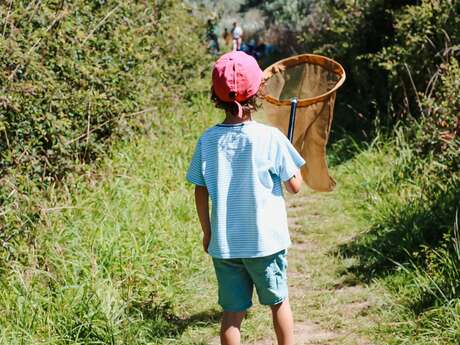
329	306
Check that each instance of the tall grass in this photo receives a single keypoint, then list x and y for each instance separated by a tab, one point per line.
410	205
119	261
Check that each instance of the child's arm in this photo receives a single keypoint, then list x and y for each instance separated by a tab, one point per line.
202	208
294	183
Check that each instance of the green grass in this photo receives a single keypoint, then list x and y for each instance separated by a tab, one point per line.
410	241
119	260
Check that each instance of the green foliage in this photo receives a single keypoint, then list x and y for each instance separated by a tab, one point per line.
410	202
402	66
394	52
439	133
426	37
289	13
120	260
353	32
75	76
443	267
71	76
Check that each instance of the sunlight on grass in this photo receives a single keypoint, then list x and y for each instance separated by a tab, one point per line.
124	261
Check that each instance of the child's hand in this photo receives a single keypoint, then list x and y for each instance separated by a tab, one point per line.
206	240
293	185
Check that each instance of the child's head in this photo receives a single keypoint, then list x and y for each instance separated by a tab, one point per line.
236	78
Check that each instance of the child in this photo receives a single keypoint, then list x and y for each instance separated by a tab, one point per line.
240	164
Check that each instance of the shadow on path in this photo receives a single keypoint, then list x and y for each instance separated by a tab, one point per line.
402	235
164	323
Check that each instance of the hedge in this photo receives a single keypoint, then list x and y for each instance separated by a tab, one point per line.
75	76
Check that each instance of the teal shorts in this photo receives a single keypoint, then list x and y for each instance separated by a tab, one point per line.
237	277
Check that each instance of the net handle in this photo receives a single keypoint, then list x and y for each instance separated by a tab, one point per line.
290	133
324	62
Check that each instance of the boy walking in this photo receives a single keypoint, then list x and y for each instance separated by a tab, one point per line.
240	165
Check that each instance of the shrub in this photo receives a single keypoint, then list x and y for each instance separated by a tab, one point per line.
440	126
77	75
426	37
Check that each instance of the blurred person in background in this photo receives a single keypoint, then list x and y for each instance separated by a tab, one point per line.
211	36
237	33
227	36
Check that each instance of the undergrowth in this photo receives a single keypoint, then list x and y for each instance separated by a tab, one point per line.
76	77
411	205
118	261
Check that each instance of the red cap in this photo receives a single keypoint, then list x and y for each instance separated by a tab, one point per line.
236	74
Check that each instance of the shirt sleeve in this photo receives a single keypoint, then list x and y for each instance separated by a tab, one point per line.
286	161
195	172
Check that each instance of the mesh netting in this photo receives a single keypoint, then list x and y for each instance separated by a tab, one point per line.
313	80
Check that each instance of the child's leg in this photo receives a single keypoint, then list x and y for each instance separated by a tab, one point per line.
230	327
283	323
235	297
270	278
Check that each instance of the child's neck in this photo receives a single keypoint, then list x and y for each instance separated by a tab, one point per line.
234	120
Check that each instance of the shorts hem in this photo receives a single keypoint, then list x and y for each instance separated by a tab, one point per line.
280	300
236	310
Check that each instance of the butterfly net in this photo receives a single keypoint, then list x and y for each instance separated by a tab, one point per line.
313	80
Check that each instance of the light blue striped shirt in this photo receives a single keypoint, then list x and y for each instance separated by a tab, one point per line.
242	166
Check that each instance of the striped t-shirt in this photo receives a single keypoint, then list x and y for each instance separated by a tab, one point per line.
242	166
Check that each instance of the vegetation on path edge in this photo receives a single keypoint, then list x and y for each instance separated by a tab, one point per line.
120	260
112	257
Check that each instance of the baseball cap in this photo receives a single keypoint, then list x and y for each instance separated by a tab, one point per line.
236	77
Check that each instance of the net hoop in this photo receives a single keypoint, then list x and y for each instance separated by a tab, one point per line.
326	63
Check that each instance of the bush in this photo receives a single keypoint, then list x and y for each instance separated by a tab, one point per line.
426	37
76	76
440	126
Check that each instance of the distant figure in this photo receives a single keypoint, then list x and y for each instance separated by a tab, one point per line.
227	36
237	32
211	35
